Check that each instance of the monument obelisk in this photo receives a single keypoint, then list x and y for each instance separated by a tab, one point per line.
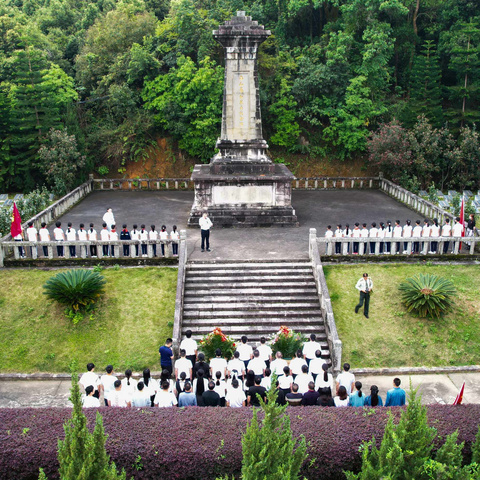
242	186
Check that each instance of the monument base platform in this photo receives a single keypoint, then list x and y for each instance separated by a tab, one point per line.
243	195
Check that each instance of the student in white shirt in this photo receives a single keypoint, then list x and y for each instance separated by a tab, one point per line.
446	232
364	234
356	233
381	234
153	235
373	233
278	364
59	236
174	236
338	234
71	235
129	385
104	237
31	236
397	233
90	378
245	350
82	237
236	365
434	233
324	380
44	235
164	398
457	231
309	348
388	234
416	233
316	365
218	364
346	379
113	236
265	351
151	385
347	233
220	388
141	398
303	380
88	400
135	234
183	365
143	239
235	397
297	363
407	233
118	397
92	237
163	236
107	380
190	346
425	234
257	365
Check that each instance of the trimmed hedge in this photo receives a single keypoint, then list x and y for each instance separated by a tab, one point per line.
201	443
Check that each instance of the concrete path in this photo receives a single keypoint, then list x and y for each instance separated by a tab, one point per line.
434	388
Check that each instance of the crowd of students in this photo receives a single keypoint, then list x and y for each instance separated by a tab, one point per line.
429	230
240	381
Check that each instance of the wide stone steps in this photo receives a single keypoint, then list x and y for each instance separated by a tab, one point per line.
252	298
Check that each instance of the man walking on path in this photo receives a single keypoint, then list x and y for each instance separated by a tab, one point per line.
205	226
364	286
396	395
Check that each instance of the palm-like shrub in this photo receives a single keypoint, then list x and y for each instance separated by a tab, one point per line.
75	288
427	295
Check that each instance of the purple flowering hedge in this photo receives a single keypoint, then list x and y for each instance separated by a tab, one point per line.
201	443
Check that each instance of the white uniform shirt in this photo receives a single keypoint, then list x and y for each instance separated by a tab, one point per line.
236	364
113	235
205	223
338	233
44	235
356	233
373	232
135	235
152	235
388	231
143	235
457	230
364	232
118	399
245	351
446	230
183	365
129	390
397	231
90	402
328	234
278	365
104	235
189	345
316	366
346	379
381	233
235	397
31	234
107	381
257	365
58	234
90	378
434	230
310	348
426	231
165	399
70	234
321	383
92	234
141	399
82	235
302	381
407	231
218	365
265	352
348	233
163	235
296	365
362	284
417	231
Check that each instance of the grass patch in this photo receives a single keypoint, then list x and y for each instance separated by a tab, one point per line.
129	324
391	337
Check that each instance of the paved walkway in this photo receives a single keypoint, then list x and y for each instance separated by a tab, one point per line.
434	388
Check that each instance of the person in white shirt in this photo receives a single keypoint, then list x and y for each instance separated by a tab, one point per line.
151	385
153	236
328	234
416	233
425	234
245	350
434	233
303	380
347	233
365	287
174	236
129	385
82	237
315	367
356	233
59	236
164	398
92	237
71	235
141	398
32	237
109	219
278	364
44	235
164	237
205	226
113	237
90	378
309	348
267	379
446	232
107	380
220	388
346	379
88	400
373	233
297	363
257	365
183	365
364	234
235	397
118	397
457	231
381	234
218	364
388	234
190	346
341	400
338	234
397	233
143	240
324	380
104	237
135	235
265	351
407	233
236	365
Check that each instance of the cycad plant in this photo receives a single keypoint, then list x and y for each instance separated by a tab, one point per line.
77	288
427	295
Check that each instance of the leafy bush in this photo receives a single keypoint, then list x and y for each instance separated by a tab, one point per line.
214	447
287	342
217	339
75	288
427	295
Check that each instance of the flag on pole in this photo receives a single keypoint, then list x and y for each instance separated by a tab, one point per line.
462	215
459	398
16	227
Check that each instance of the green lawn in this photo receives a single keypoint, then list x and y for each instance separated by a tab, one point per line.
391	337
131	321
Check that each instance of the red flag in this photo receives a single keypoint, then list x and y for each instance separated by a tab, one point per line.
459	398
462	215
16	227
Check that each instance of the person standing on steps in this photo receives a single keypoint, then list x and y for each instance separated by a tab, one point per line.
205	226
365	287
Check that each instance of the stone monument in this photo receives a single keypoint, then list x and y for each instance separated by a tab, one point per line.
241	186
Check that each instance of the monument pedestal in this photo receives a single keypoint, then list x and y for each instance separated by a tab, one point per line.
243	195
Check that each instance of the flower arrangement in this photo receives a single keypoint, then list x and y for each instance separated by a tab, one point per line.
214	340
287	342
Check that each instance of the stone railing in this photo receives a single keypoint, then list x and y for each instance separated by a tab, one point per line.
400	245
58	208
334	342
182	265
113	249
422	206
328	183
143	184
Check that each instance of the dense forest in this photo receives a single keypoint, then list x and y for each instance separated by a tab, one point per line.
89	85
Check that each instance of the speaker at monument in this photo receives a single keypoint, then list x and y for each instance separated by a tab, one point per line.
241	186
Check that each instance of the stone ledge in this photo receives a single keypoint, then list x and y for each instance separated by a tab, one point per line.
415	370
92	262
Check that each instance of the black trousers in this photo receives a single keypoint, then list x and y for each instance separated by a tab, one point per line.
205	239
126	250
364	301
93	250
445	247
175	248
338	247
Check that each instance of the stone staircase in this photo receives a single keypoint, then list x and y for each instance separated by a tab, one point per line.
253	298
